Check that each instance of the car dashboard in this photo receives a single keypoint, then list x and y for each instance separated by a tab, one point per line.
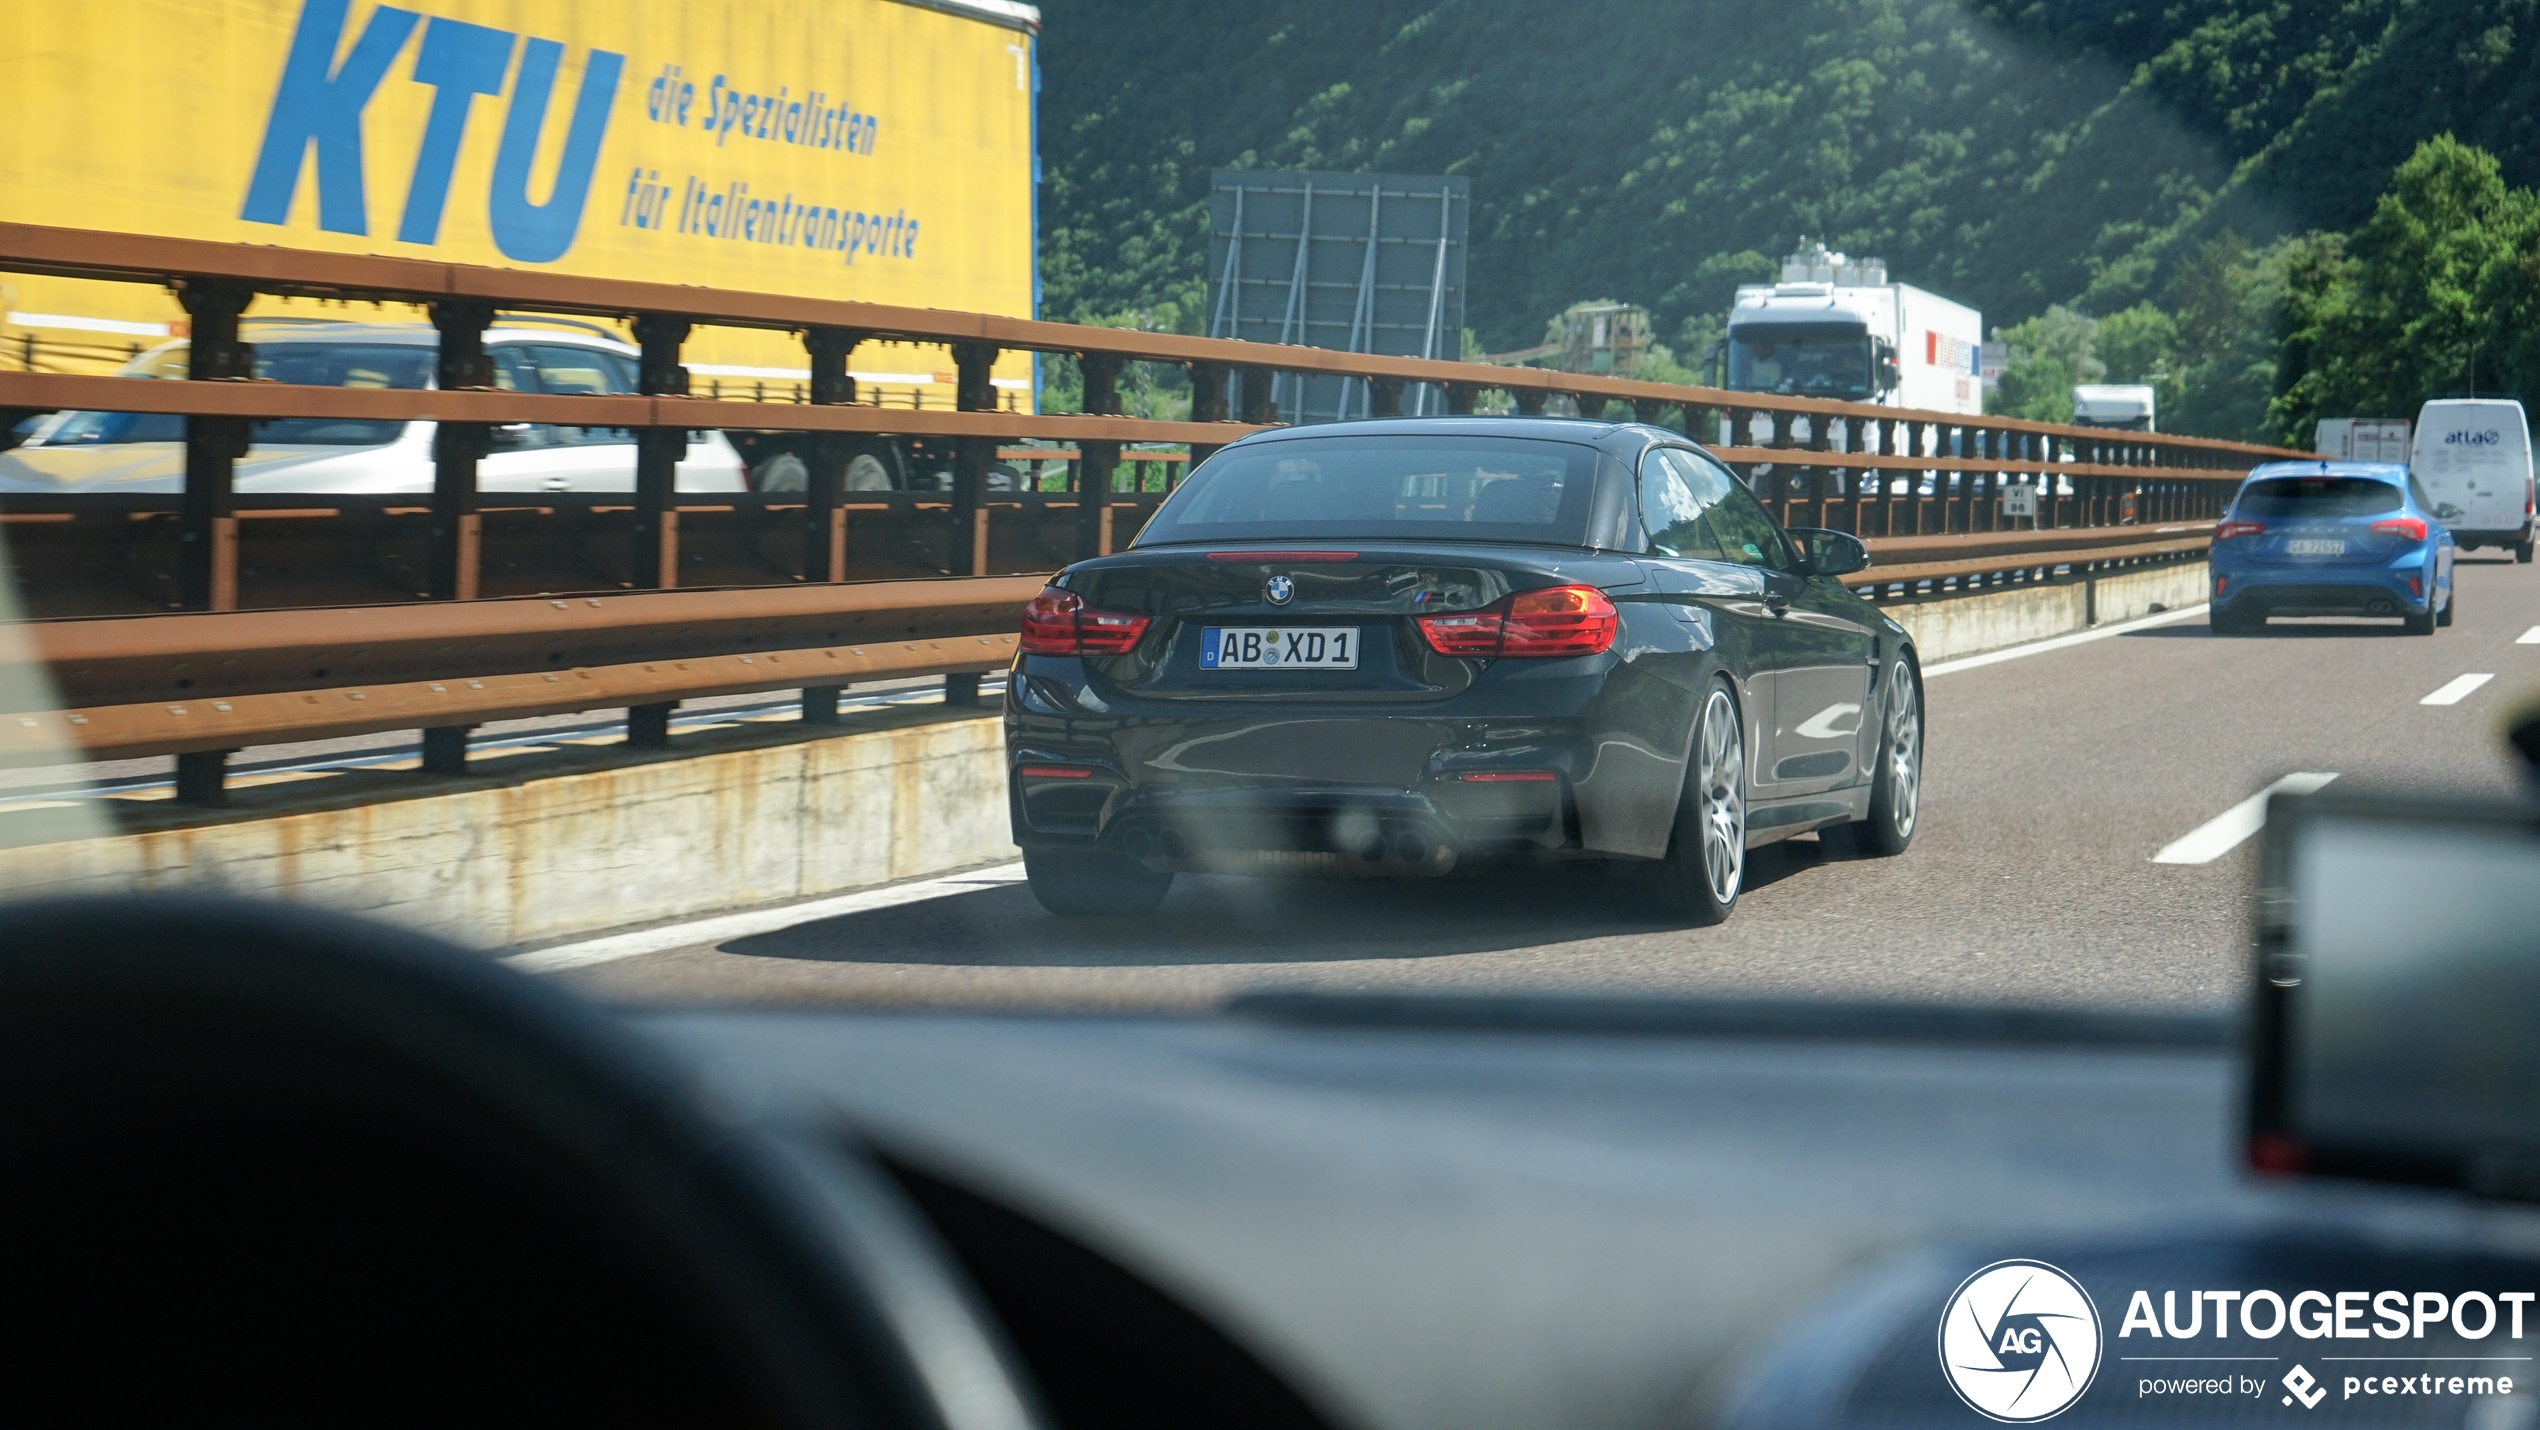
1478	1212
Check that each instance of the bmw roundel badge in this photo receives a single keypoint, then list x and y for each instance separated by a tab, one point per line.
1279	590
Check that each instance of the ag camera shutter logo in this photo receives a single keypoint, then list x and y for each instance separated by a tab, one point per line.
2019	1341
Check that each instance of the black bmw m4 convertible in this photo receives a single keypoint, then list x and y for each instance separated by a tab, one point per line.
1404	646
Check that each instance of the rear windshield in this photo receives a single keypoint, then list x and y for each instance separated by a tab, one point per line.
314	364
2316	496
1381	488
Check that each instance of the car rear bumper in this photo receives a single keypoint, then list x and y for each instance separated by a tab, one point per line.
1440	810
1407	790
2510	536
2322	591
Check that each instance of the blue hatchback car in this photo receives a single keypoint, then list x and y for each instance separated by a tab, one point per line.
2331	539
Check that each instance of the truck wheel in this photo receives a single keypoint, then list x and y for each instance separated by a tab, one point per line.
866	473
1077	883
783	472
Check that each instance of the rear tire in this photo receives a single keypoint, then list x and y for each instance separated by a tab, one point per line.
1896	781
2234	623
2444	617
1089	882
2421	625
1698	880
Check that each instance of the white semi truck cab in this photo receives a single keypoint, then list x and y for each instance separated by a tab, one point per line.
1835	328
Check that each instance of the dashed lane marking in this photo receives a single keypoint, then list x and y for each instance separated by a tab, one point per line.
2224	832
2458	689
2529	637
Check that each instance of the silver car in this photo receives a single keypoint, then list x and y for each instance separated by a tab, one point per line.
145	452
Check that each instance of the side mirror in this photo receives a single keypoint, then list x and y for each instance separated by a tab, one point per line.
1830	553
1890	376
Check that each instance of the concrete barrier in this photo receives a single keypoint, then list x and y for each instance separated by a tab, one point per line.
591	840
2014	615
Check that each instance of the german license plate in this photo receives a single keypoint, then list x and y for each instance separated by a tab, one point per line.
2314	546
1278	648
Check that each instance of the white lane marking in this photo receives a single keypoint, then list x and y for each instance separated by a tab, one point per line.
2099	633
2529	637
2223	833
720	927
2457	690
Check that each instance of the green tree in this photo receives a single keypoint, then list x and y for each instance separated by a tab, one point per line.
2227	300
2414	304
2138	344
2048	355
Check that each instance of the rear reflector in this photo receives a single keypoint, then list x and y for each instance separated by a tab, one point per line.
1284	558
1055	772
1060	623
1559	620
1509	777
2275	1152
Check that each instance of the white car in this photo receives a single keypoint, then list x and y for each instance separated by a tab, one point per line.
145	452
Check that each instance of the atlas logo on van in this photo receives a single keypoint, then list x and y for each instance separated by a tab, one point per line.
320	100
2489	438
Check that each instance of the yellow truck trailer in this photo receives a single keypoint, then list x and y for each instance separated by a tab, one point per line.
880	150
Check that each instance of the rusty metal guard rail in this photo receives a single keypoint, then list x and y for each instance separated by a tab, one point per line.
1922	486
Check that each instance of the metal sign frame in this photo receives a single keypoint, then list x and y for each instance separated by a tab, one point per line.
1363	263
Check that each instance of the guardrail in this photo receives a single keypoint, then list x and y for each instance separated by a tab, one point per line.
555	602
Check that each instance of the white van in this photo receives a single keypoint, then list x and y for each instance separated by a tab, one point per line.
2473	457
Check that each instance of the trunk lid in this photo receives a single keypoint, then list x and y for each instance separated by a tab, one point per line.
1214	609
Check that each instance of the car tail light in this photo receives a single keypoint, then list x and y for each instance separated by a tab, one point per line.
2230	527
1056	772
1060	623
1466	633
1283	558
2275	1152
1509	777
2411	527
1560	620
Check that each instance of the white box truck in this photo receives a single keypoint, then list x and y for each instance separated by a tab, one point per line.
2127	407
2362	439
1835	328
2473	457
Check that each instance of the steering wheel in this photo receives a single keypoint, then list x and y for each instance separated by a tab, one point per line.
266	1159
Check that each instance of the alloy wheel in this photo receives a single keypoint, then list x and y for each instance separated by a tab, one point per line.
1721	777
1904	770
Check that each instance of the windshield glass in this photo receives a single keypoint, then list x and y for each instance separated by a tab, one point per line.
1385	488
1801	360
315	364
1259	501
2317	496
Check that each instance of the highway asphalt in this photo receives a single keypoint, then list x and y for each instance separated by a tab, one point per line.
2077	849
